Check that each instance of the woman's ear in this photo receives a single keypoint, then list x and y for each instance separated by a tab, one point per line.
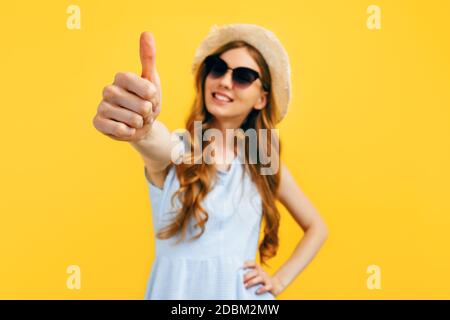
262	101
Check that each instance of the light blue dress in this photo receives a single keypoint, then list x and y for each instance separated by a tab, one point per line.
209	267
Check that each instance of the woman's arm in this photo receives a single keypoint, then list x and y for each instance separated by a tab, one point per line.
307	217
157	149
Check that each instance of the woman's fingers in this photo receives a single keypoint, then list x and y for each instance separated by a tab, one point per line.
254	281
120	114
119	96
256	276
250	275
137	85
266	288
250	264
113	128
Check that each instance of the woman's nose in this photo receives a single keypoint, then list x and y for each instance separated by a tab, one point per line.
227	79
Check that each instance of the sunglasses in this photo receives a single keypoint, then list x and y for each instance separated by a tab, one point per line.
242	77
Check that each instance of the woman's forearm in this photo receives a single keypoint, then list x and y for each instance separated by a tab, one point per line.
156	147
307	248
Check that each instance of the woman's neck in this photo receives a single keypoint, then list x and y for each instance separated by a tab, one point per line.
224	153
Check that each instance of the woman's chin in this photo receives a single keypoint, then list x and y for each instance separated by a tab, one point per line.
219	111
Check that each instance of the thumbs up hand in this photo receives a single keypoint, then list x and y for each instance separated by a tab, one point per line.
131	104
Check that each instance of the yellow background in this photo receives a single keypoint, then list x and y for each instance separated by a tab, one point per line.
367	138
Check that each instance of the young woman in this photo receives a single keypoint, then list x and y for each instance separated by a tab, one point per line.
207	214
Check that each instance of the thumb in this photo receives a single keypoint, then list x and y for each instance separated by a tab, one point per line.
147	51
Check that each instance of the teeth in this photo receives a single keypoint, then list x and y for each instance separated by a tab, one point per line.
221	97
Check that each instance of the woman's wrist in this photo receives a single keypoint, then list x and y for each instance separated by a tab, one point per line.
143	146
278	285
157	145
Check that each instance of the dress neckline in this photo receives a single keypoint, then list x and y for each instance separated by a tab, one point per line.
223	172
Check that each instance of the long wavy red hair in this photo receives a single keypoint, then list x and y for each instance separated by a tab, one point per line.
196	179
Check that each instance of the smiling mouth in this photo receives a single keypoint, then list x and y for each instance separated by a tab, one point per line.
220	99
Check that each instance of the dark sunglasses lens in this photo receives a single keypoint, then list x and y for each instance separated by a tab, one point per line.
217	67
243	77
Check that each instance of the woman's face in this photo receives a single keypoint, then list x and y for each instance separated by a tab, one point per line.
232	114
